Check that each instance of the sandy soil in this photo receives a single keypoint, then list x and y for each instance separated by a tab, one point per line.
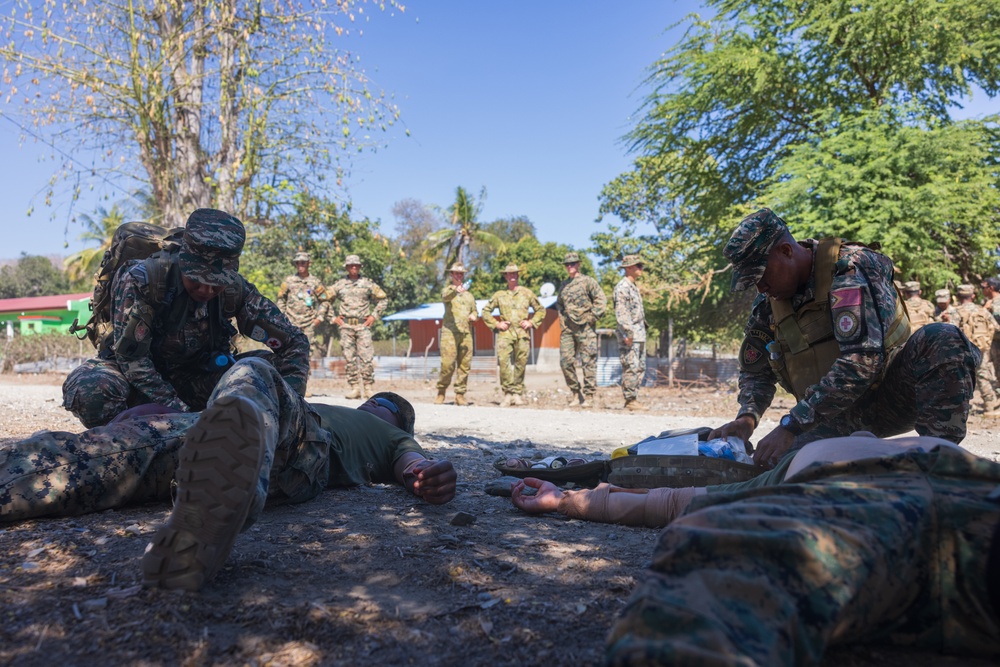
367	575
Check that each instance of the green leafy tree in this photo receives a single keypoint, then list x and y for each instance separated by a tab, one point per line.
32	275
235	105
539	263
465	229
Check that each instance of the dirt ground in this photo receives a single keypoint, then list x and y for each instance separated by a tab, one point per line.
367	575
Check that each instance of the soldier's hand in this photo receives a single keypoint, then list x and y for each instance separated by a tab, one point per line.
338	320
503	326
370	320
627	340
773	447
473	317
741	427
434	481
317	322
546	498
525	324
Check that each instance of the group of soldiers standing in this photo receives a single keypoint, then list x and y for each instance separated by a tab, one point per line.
980	323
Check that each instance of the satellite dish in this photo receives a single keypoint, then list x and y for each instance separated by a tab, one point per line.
548	289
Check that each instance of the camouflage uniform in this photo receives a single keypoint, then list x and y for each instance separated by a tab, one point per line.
303	301
866	374
978	325
877	550
943	307
920	311
631	324
512	344
169	351
581	302
55	473
358	299
456	339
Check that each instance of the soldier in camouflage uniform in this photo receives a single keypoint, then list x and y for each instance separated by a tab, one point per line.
171	327
302	298
943	310
257	441
830	328
897	547
991	290
631	331
978	324
920	311
362	302
513	324
456	335
581	302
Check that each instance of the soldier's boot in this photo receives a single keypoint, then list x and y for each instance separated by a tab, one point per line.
217	475
992	410
517	399
460	399
575	399
588	401
634	405
439	399
507	401
354	393
368	391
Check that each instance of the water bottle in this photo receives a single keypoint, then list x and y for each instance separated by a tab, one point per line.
467	284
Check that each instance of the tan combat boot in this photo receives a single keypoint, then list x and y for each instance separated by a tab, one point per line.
575	399
354	393
368	391
460	399
635	406
439	399
588	402
507	401
517	399
992	411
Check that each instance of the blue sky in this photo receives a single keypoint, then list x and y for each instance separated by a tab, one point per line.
529	99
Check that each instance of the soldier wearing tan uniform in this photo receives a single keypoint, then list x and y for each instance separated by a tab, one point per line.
302	298
456	335
631	331
361	303
978	325
943	310
920	310
513	324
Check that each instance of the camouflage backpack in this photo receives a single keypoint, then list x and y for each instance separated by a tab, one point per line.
131	241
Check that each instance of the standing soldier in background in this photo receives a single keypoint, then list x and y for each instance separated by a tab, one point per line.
302	298
361	303
991	290
513	339
921	311
581	302
631	331
456	335
943	310
978	325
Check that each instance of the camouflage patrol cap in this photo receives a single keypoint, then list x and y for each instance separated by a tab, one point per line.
748	247
511	268
211	247
965	290
571	258
630	260
456	268
942	295
352	259
407	415
911	286
300	257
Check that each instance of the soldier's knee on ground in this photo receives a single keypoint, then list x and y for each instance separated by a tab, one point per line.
93	396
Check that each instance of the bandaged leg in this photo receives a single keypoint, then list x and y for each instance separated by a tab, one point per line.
653	508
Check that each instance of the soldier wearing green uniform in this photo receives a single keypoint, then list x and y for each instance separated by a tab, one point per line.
978	324
362	302
830	328
456	335
991	290
943	310
631	331
581	302
920	310
513	324
302	298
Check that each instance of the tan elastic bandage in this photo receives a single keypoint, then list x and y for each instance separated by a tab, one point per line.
653	508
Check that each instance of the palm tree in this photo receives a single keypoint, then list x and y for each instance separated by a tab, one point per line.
463	216
100	227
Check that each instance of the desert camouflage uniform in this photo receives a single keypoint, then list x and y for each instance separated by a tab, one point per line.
921	312
54	473
581	302
890	549
994	307
924	384
456	339
512	344
303	301
167	360
631	323
978	325
952	313
358	299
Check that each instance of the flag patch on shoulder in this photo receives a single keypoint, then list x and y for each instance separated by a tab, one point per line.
847	297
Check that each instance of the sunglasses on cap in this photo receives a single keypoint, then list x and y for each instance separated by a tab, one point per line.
387	404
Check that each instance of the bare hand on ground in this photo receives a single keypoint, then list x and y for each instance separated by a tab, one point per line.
433	481
545	500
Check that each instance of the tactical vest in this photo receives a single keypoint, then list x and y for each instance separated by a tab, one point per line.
808	345
976	325
921	314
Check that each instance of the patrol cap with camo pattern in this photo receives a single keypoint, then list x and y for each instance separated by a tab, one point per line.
407	415
748	247
456	268
511	268
571	258
300	257
942	295
352	259
911	286
966	290
211	247
630	260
